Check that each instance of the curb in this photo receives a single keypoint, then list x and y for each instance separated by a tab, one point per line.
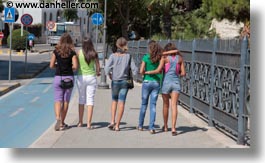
44	51
5	88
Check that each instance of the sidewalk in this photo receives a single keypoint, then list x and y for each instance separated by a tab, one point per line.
193	132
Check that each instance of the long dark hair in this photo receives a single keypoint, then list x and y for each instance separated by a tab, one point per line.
155	51
89	50
65	45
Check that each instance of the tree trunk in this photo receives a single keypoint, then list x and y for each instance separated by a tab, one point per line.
167	22
126	17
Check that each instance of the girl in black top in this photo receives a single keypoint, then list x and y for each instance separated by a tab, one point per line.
67	62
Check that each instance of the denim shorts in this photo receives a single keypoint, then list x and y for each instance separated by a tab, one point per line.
119	90
169	87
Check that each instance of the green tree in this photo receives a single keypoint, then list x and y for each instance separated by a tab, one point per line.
165	8
238	10
1	6
70	14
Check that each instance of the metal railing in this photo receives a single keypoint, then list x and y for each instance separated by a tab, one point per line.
217	84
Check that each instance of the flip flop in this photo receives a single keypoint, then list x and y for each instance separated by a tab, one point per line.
164	129
174	133
90	127
57	125
111	126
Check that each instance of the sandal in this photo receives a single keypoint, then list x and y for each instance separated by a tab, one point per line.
140	128
57	125
111	126
90	127
79	124
152	131
164	129
116	129
174	133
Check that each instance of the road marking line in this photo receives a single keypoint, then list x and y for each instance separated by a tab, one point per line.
46	89
16	112
34	100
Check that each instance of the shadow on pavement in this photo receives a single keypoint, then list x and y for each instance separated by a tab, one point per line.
186	129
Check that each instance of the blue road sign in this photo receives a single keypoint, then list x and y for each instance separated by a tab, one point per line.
26	19
97	19
10	15
31	36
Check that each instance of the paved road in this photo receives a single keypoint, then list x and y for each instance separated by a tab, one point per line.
35	61
27	112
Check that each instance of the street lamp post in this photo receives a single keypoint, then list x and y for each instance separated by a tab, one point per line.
103	84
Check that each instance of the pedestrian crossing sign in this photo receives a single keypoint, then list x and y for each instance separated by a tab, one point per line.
9	15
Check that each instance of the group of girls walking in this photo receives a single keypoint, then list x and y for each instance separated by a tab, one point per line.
155	63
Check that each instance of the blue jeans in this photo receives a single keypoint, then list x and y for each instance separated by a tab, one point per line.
149	88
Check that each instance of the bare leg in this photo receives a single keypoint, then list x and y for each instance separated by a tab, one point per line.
81	115
64	111
120	114
89	115
165	110
57	110
174	100
113	111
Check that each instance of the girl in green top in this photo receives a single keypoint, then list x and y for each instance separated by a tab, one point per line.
151	84
86	80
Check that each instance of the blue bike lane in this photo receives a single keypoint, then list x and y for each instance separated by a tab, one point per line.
27	112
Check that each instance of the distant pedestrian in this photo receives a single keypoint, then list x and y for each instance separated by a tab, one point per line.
151	84
117	68
65	56
173	65
89	68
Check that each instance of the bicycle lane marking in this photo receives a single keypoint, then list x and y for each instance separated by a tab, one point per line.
27	113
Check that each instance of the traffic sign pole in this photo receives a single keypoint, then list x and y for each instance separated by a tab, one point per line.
26	20
10	52
26	54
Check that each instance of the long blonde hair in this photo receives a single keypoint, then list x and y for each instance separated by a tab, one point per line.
65	45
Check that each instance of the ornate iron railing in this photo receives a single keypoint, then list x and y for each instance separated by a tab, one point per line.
217	84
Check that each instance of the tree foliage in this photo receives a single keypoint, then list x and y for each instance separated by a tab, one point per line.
1	6
70	14
238	10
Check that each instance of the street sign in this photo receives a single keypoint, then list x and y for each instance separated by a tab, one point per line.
50	25
97	19
1	35
26	19
31	36
10	15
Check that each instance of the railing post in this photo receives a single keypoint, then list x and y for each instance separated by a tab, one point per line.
179	44
211	112
241	118
192	75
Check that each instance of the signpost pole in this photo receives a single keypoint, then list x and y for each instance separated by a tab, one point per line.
103	84
26	53
10	52
10	17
